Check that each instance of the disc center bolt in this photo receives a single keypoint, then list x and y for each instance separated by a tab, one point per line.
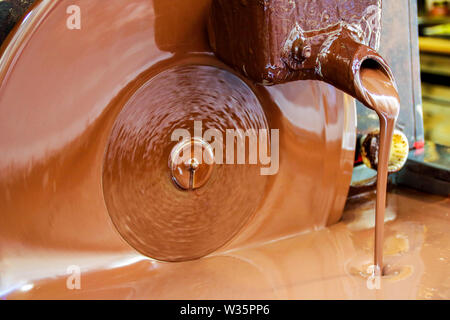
191	163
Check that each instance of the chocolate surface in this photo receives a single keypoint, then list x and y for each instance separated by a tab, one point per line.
326	264
77	82
54	137
155	217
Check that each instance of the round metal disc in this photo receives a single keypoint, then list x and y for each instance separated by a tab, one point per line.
150	211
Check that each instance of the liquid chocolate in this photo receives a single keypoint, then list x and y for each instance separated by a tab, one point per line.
167	222
381	96
55	137
326	264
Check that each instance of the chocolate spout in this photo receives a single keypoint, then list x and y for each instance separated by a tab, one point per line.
277	41
342	62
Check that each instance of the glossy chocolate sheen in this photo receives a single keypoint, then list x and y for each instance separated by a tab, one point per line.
62	93
156	217
380	94
276	41
327	264
58	110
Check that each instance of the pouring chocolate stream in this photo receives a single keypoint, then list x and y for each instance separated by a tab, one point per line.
382	97
278	41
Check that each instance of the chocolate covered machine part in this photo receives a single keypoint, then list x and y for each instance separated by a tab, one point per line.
333	41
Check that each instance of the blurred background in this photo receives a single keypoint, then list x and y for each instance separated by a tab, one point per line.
434	44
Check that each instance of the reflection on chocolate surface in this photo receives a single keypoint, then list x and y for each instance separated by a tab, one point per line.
85	180
327	264
54	137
